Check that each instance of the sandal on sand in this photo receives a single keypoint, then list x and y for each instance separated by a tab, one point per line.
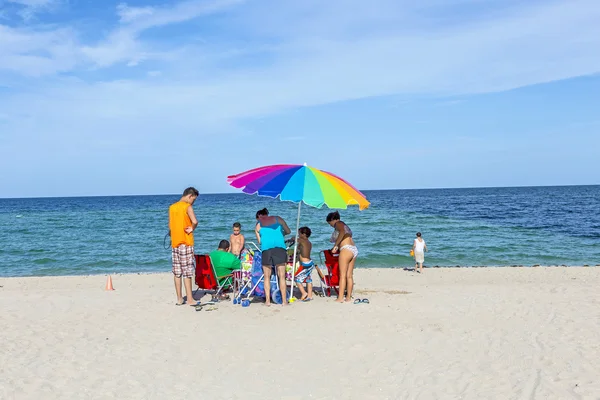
361	301
208	303
306	300
365	301
357	301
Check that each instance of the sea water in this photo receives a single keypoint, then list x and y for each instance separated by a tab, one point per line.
462	227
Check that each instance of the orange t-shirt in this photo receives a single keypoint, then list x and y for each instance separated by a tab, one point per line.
178	221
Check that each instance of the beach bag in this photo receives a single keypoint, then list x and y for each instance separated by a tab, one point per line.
412	253
247	261
257	273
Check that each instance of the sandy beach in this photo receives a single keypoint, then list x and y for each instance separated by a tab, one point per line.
485	333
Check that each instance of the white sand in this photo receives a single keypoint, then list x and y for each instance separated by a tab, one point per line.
495	333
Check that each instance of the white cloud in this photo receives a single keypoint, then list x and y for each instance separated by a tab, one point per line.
123	44
120	46
37	52
300	55
33	7
129	14
47	50
180	12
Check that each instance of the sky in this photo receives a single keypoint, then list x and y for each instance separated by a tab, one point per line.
149	97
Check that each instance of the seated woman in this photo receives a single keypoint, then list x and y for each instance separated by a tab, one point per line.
344	244
270	233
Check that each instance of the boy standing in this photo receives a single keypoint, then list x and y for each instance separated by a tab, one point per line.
304	276
182	222
237	240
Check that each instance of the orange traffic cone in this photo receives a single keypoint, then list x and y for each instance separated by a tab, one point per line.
109	285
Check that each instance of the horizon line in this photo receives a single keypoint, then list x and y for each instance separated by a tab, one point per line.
365	190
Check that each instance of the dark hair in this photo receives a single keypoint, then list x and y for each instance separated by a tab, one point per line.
305	230
224	244
333	216
191	190
264	211
418	234
237	225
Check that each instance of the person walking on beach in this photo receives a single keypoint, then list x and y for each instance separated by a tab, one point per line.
270	233
344	244
182	222
419	248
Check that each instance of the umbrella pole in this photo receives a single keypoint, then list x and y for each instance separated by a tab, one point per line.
295	251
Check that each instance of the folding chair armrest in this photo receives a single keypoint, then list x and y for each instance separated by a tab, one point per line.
321	275
247	245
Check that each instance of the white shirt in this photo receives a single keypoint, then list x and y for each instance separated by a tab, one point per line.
419	245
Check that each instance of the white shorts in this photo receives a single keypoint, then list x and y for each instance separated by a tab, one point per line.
419	257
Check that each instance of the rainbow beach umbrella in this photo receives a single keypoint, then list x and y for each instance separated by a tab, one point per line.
300	184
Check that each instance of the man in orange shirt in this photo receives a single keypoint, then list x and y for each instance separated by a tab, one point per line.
182	222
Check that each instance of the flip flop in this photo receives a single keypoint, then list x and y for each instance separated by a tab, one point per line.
365	301
306	300
179	304
208	303
357	301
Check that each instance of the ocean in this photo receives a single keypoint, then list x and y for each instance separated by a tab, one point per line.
462	227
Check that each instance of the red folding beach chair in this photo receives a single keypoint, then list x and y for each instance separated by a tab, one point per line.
206	277
331	279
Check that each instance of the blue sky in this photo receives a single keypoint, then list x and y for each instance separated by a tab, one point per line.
148	97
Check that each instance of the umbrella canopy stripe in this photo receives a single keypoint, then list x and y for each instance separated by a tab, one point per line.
296	189
242	179
313	192
334	176
261	181
272	184
331	197
339	188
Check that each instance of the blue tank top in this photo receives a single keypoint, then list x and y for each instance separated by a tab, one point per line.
271	237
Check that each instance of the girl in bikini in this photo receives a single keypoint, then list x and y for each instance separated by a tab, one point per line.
344	244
